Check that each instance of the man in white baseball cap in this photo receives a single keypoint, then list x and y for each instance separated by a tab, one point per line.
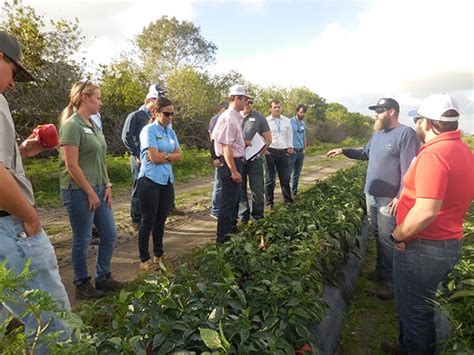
438	189
229	147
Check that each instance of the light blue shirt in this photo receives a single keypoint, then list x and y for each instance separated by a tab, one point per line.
163	139
299	133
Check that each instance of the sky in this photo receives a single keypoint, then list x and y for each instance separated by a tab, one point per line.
351	52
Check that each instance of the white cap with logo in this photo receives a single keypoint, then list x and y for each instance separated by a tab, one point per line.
435	106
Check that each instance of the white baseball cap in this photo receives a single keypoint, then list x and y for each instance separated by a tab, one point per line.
435	106
238	90
155	91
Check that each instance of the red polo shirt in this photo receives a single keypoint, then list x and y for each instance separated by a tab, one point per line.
443	170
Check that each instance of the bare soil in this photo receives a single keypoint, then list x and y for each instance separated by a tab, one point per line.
182	233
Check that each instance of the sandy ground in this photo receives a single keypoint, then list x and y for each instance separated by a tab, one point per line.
182	233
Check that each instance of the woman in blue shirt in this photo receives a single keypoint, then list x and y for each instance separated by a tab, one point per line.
159	150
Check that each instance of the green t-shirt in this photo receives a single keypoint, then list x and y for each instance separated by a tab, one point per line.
92	151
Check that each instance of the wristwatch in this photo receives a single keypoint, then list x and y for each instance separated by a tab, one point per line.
167	156
392	237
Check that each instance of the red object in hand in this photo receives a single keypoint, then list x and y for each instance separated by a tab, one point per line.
47	135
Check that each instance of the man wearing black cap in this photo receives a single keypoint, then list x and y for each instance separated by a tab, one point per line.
21	236
389	151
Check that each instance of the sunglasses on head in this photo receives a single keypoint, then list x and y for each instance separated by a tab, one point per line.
380	110
83	86
168	114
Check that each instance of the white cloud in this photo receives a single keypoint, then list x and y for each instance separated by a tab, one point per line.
402	49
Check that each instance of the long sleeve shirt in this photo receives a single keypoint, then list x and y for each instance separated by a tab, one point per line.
132	127
389	153
282	133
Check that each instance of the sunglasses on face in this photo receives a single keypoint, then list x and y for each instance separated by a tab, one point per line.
380	110
250	102
416	118
168	114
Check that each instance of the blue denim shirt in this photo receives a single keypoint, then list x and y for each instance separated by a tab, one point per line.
299	133
163	139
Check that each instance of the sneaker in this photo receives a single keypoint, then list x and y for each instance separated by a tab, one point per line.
177	212
213	215
391	347
86	291
385	293
149	265
108	284
155	259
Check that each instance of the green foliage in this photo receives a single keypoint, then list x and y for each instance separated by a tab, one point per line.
457	295
248	295
168	44
48	54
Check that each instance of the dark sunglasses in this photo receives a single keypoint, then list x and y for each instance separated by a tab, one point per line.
168	114
250	102
416	118
380	110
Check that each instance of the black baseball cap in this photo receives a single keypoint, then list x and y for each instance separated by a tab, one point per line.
386	103
10	47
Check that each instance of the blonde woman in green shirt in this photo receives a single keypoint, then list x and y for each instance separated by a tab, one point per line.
86	191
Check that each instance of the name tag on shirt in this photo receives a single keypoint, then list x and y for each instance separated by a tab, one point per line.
252	119
88	130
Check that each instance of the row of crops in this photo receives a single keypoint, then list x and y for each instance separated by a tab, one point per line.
260	292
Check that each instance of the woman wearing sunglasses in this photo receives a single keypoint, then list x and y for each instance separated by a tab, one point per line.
159	150
86	191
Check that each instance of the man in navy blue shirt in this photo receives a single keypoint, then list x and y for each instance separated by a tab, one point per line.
299	145
132	127
389	151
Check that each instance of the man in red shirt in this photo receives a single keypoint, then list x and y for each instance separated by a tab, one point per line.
438	189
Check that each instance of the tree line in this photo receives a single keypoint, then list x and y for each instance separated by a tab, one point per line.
170	52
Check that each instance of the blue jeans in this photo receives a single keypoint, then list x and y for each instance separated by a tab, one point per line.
253	170
277	162
417	272
216	194
382	227
135	209
82	219
157	201
296	164
228	202
44	276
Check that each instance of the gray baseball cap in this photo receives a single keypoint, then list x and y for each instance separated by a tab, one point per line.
10	47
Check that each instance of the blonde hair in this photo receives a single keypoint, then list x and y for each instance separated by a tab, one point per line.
75	98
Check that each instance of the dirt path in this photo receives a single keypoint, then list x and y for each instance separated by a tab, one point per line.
182	233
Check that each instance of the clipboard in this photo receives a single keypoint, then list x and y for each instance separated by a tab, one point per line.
255	148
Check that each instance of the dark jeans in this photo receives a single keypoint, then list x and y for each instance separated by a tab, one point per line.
382	227
156	201
228	203
277	162
135	210
296	164
253	172
417	272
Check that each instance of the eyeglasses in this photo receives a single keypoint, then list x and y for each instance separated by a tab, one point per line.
250	102
416	118
380	110
168	114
